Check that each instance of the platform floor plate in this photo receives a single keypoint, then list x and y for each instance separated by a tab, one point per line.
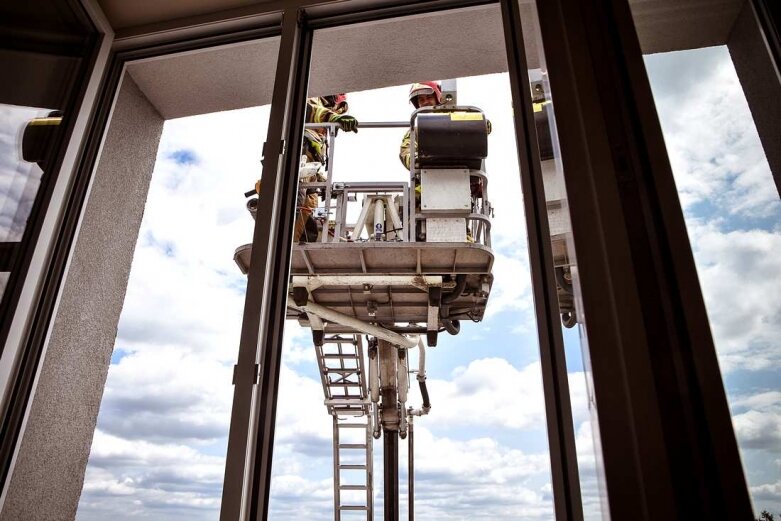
383	304
387	258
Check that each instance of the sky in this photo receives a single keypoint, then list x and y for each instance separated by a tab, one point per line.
159	448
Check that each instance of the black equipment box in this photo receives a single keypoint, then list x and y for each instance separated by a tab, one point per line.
452	140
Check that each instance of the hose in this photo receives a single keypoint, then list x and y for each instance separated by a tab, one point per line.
422	377
452	326
424	393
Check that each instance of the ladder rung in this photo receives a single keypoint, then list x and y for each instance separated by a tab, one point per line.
339	411
352	425
352	487
341	370
343	381
352	445
353	507
348	401
344	384
339	357
346	466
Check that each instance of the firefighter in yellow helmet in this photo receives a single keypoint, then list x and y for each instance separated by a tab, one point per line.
325	109
424	94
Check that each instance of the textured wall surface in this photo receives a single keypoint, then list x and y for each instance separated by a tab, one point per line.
226	78
438	46
760	84
467	42
47	479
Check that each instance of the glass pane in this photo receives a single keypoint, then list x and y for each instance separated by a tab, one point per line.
719	142
732	213
19	179
481	452
584	406
159	448
43	56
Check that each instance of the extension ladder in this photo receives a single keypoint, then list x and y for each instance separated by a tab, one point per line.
343	375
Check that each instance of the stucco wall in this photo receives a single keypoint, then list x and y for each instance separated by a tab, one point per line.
49	471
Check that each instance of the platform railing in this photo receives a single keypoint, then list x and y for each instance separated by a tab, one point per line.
478	221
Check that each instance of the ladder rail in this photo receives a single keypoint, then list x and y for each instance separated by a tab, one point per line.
343	376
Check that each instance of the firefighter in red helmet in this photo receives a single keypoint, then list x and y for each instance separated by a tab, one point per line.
423	94
325	109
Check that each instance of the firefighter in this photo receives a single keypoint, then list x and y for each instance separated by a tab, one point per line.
325	109
424	94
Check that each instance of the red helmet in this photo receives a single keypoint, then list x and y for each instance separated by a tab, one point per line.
431	88
336	102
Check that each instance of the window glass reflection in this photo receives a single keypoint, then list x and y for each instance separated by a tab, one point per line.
732	213
19	179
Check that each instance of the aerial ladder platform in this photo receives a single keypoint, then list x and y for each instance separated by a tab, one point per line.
416	262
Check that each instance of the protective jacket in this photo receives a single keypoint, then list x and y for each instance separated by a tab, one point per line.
404	153
316	139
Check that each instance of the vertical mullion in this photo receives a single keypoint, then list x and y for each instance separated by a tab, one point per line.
253	415
558	410
769	16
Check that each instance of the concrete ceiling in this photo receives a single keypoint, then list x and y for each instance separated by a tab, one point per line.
455	44
673	25
123	14
225	78
452	44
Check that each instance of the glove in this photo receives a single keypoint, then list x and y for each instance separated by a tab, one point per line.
347	123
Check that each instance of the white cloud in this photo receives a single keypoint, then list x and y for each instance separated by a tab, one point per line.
759	430
480	460
167	395
294	497
455	480
478	479
758	422
297	345
592	492
762	401
511	290
713	144
740	275
729	198
769	494
149	481
302	420
490	392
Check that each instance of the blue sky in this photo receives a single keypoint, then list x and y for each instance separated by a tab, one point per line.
733	216
159	449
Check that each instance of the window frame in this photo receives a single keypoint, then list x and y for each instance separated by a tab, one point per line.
631	380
